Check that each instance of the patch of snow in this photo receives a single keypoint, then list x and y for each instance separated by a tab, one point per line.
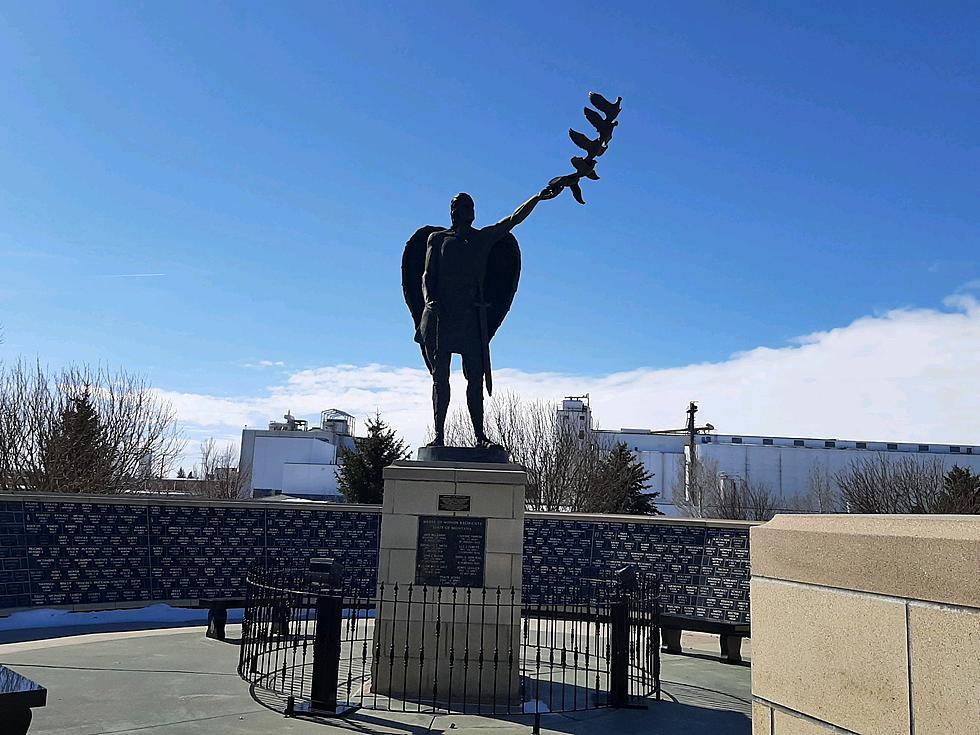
535	705
49	618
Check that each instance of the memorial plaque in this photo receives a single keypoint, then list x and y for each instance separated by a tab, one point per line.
455	503
451	551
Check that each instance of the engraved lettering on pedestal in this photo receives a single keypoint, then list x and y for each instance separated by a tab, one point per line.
451	551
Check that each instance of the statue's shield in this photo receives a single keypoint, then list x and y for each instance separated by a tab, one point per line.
413	266
500	281
502	274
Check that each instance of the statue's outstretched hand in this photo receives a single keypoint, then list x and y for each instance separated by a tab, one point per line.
507	224
549	192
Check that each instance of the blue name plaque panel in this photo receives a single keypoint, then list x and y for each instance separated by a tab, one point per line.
85	553
15	581
78	552
102	553
349	537
703	572
202	552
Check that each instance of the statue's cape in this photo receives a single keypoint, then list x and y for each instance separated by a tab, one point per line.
503	272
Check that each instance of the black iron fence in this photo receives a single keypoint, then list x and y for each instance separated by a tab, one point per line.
309	647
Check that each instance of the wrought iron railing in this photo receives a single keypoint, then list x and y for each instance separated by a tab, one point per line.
307	646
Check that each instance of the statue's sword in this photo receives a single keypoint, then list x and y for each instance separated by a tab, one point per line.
482	306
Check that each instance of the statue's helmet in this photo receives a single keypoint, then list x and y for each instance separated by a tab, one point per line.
462	209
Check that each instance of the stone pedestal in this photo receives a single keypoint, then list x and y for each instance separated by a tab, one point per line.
468	455
452	535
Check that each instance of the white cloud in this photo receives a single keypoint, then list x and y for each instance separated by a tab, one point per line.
907	374
265	364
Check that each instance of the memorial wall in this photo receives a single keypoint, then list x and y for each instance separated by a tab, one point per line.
703	565
100	552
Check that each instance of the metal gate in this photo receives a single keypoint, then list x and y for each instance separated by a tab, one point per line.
309	647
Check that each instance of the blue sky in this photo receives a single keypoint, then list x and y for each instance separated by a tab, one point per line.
779	170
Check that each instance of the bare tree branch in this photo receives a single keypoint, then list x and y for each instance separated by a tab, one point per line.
561	463
884	484
695	489
219	473
131	435
822	494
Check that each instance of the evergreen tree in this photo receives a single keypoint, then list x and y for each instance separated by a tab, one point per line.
360	477
77	458
180	473
620	484
960	493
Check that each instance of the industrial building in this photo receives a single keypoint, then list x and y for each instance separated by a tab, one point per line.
295	459
786	465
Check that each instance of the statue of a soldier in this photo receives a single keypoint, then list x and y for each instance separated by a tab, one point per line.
459	284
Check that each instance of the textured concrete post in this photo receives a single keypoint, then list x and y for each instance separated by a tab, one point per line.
870	624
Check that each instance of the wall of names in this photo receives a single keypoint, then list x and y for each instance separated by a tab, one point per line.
102	552
704	571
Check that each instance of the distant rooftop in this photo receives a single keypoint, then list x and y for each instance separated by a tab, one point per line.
805	442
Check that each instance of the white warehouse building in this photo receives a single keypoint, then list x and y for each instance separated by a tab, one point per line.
291	458
786	465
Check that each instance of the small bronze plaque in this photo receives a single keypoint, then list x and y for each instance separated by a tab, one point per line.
455	503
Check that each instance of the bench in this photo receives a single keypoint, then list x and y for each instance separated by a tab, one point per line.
18	695
218	608
325	573
671	627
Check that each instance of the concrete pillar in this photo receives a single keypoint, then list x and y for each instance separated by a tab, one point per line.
443	646
866	624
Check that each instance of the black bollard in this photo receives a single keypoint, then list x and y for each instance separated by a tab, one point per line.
326	653
619	648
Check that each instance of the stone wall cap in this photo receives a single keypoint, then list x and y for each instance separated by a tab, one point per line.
920	557
652	520
921	525
278	502
474	472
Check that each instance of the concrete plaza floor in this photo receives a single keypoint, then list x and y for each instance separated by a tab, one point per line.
174	681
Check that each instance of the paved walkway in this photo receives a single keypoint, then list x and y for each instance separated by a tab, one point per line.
175	681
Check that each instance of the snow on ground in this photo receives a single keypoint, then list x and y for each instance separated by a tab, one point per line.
534	706
163	614
142	616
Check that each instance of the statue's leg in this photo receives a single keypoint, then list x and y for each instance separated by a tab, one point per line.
440	395
473	372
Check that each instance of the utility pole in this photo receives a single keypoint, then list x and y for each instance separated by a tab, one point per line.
692	410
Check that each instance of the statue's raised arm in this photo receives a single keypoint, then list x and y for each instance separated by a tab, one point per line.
520	214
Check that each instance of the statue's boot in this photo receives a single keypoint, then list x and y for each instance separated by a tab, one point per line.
485	443
474	402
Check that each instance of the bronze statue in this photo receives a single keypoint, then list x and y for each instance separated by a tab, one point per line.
459	282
